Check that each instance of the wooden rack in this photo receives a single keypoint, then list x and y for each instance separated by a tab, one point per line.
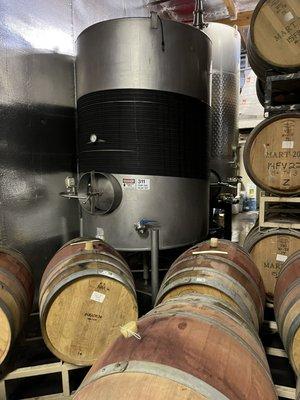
294	208
281	371
38	374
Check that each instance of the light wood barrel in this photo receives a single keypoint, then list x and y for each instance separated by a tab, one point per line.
287	308
224	271
164	364
272	154
86	294
269	249
274	40
16	296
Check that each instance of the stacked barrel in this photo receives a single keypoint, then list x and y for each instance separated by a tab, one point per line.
199	342
16	296
273	43
287	310
272	150
87	292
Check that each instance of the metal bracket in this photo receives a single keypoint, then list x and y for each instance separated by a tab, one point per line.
142	227
154	20
293	79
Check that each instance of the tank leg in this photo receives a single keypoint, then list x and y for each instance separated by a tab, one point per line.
154	262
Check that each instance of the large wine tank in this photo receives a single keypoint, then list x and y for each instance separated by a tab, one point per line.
226	50
143	99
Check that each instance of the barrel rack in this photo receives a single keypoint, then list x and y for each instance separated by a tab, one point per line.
18	383
288	205
282	372
39	374
290	81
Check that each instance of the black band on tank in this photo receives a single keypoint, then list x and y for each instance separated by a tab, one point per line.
143	132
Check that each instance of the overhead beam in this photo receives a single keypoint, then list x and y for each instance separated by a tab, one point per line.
156	2
231	8
243	19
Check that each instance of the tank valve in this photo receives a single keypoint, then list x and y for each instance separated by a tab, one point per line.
70	185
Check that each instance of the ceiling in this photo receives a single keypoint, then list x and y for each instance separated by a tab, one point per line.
182	10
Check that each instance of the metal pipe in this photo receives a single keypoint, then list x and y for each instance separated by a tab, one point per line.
81	226
145	269
154	261
198	20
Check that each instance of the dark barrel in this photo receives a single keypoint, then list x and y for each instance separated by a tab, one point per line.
164	364
287	308
220	269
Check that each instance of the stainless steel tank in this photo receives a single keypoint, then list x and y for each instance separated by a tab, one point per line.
226	50
143	94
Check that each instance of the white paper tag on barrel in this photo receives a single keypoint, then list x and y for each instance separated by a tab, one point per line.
288	144
281	257
97	296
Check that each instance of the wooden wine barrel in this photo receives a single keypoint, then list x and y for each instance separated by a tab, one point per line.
86	294
287	308
164	364
16	296
274	40
219	268
272	154
269	249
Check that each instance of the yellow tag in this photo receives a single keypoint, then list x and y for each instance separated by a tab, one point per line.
89	246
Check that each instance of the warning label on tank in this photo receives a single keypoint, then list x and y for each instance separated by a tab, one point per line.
129	183
143	184
138	184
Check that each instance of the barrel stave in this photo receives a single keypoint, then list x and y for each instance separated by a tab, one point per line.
271	154
179	337
273	43
16	296
269	248
287	308
86	294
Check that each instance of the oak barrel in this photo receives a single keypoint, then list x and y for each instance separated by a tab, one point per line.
16	296
191	348
287	308
269	248
87	292
272	154
274	40
219	268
